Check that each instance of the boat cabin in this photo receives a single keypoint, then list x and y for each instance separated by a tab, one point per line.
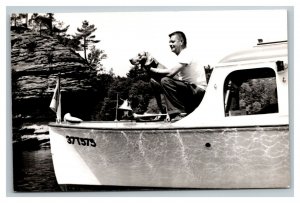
248	87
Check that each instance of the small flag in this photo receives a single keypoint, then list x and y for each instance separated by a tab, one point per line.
55	102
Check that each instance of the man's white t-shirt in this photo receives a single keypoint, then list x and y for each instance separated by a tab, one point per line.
192	73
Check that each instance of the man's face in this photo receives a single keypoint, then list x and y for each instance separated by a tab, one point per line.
175	44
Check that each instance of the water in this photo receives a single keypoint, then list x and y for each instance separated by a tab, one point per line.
33	171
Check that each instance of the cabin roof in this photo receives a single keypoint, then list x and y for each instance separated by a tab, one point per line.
258	52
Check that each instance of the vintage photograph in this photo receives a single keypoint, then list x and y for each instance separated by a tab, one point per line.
150	100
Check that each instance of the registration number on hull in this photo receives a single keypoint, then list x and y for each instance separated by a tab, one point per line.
81	141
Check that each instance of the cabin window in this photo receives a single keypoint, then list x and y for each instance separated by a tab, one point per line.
249	92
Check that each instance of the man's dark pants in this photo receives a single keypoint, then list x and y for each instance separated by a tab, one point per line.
181	97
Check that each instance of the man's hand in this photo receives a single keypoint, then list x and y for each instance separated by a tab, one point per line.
151	63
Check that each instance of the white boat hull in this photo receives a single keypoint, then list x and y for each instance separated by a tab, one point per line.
228	157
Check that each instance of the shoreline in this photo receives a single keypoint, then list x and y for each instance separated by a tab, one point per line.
31	137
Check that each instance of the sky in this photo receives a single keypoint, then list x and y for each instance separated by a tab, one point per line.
210	34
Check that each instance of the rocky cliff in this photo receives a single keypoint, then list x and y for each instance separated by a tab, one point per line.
36	61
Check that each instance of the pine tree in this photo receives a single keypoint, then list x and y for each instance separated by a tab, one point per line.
85	35
40	21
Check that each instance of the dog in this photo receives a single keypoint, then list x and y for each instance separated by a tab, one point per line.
145	61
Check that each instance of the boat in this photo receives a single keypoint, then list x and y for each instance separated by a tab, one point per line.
224	143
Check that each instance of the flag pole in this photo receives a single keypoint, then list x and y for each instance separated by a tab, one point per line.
116	119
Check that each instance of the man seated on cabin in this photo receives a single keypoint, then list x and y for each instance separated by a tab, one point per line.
185	93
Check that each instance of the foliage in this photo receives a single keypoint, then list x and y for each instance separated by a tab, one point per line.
73	43
136	73
118	88
42	22
136	88
31	45
60	31
85	36
257	94
17	19
100	84
94	59
47	23
140	94
14	19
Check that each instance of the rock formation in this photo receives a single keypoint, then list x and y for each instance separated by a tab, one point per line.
36	61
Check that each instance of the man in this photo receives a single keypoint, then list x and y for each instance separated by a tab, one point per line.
185	92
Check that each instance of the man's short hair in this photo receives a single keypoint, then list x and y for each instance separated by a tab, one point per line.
181	35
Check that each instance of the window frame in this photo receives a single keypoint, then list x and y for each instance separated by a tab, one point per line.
233	82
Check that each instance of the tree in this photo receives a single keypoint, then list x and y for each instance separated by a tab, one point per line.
17	19
41	21
139	95
135	88
95	57
257	94
120	86
22	16
136	73
85	35
14	19
60	31
49	21
111	72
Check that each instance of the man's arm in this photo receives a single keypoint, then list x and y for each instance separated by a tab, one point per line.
170	72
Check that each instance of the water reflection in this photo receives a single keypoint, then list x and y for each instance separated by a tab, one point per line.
33	171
